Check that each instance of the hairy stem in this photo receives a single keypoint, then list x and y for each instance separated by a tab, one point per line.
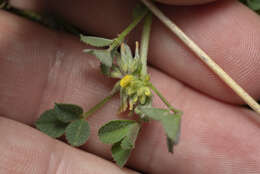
164	99
130	27
145	42
97	106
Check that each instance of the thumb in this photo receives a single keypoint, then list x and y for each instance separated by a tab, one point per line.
184	2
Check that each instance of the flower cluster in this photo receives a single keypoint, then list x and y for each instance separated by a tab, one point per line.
134	86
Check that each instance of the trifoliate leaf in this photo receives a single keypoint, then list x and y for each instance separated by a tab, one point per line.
96	41
254	4
119	154
77	132
115	131
172	125
68	112
49	124
139	10
104	56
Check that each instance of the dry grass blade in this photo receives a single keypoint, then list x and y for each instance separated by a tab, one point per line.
203	56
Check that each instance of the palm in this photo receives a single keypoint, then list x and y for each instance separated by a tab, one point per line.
39	67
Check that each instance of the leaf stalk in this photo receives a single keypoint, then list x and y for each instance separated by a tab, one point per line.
98	106
164	100
130	27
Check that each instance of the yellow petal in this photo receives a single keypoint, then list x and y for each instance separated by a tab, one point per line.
126	80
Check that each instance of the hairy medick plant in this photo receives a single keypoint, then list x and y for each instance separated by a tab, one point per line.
136	96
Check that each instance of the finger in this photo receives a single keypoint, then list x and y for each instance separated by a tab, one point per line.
226	30
235	49
27	151
209	136
41	5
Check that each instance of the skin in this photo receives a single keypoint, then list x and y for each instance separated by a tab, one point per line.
185	2
39	67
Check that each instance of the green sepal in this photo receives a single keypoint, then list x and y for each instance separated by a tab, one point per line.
96	41
136	66
49	124
68	112
104	56
126	56
115	72
77	132
123	100
119	154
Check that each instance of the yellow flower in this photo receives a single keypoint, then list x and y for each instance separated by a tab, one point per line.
126	80
147	92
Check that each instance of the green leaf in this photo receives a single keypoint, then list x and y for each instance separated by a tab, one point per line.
77	133
120	155
171	123
50	125
104	56
172	126
105	69
254	4
154	113
68	112
96	41
129	141
115	131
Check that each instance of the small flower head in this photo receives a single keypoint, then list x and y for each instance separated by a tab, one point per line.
126	80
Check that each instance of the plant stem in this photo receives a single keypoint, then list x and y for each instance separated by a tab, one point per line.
2	4
145	42
164	99
130	27
97	106
204	57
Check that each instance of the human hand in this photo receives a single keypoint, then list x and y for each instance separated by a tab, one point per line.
39	67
